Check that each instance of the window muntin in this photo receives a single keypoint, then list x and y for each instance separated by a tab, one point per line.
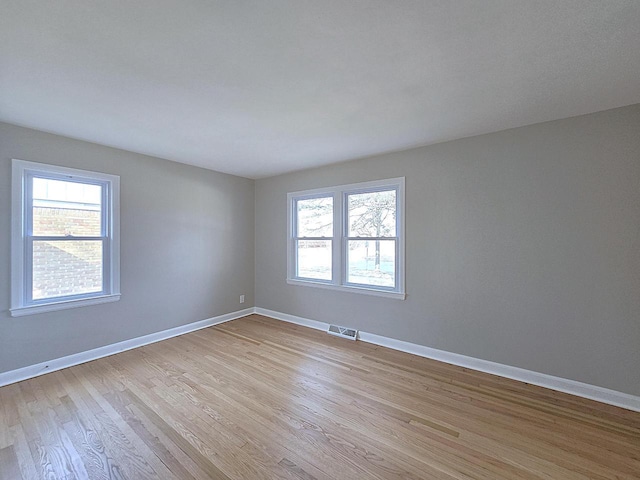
349	237
65	238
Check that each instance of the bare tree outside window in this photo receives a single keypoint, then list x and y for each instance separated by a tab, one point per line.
373	215
315	217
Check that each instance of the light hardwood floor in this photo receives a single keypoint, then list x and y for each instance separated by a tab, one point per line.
256	398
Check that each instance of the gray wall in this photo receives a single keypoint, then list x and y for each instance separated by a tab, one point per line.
187	249
523	247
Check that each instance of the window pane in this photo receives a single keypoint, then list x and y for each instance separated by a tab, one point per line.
372	262
314	259
315	217
66	221
69	267
66	208
372	214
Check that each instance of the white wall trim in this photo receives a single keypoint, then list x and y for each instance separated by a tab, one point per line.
347	288
64	305
592	392
31	371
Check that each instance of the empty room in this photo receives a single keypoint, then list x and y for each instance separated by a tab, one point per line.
315	240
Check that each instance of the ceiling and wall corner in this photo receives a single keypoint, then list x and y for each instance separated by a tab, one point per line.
259	88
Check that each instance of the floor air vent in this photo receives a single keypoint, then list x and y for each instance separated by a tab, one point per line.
343	332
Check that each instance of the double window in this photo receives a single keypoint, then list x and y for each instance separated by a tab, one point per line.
349	237
65	238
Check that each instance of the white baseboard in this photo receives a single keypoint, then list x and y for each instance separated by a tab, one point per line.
592	392
285	317
31	371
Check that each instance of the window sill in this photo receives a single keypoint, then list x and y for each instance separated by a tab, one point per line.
348	288
63	305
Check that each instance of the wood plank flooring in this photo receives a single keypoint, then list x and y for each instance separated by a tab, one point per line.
256	398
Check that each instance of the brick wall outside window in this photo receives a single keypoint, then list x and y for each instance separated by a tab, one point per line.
66	267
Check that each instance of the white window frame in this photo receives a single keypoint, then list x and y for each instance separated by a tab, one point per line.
21	260
340	238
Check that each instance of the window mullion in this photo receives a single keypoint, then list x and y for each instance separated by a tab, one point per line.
337	246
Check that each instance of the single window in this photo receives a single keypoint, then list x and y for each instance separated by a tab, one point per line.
349	237
372	242
65	238
314	238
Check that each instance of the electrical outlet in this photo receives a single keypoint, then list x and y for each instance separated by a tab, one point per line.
241	298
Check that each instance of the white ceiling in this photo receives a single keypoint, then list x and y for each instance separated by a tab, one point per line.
258	88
